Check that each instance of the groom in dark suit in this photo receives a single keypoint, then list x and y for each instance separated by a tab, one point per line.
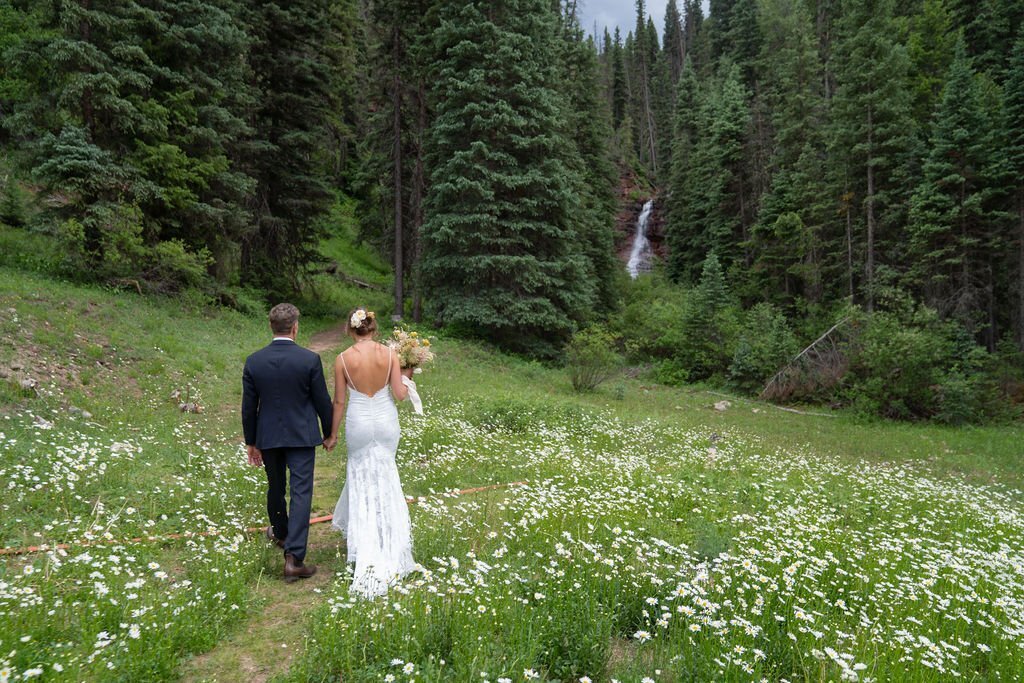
284	395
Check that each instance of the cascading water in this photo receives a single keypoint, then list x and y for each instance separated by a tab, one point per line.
640	256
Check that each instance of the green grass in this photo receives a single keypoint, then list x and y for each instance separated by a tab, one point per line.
362	278
799	546
354	259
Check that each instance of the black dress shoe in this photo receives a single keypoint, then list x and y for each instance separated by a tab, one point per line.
294	571
274	539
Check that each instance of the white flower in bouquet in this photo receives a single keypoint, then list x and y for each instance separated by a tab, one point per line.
413	350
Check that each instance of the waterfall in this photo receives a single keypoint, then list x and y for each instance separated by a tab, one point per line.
640	256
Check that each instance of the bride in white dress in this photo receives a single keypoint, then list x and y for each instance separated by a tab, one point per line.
372	511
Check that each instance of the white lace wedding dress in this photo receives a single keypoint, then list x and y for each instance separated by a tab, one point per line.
372	511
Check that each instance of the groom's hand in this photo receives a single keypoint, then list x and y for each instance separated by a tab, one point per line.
330	442
255	456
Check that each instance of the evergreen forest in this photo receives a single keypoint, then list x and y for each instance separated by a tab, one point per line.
838	185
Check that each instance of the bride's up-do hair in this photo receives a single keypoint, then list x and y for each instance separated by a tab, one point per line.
361	322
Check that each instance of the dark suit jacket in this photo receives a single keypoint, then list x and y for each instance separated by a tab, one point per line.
283	394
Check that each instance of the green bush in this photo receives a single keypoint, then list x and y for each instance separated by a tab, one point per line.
917	366
105	244
671	372
651	320
13	203
592	358
972	391
172	267
897	370
765	344
29	250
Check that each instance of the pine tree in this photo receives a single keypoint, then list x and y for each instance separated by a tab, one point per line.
680	235
196	127
871	141
19	28
620	93
393	181
714	195
792	216
707	324
662	104
345	51
734	34
1014	117
674	41
694	37
588	126
989	27
930	47
288	61
642	56
950	227
77	122
501	255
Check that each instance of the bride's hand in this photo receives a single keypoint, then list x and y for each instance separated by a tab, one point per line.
330	442
408	372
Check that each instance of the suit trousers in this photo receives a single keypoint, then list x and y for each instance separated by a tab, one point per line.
290	522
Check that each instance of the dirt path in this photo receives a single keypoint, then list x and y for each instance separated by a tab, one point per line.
274	634
265	645
326	340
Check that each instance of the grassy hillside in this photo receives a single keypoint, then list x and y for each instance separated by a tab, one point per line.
655	533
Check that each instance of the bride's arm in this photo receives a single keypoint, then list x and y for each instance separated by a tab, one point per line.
340	393
398	389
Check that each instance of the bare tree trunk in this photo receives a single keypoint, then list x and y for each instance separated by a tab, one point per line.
648	114
848	196
870	202
992	333
748	256
418	192
1020	268
397	132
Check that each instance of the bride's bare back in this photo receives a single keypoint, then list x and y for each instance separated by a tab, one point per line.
368	365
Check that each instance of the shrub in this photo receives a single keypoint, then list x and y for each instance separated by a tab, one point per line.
106	243
899	365
765	344
651	320
917	366
671	372
692	332
972	390
172	267
592	358
13	203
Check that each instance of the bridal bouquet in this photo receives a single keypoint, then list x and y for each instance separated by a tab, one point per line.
412	349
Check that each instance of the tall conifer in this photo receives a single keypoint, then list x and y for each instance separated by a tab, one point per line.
950	226
501	253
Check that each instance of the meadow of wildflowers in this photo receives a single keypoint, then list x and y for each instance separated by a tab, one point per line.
104	609
655	539
646	552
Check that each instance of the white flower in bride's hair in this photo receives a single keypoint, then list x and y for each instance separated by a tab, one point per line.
357	318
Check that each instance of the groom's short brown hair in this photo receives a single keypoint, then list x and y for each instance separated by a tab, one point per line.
282	318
